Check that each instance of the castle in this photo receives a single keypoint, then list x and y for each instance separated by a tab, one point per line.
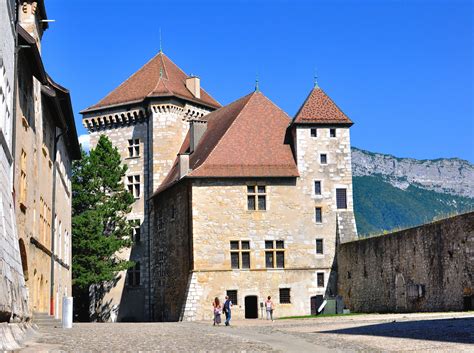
239	200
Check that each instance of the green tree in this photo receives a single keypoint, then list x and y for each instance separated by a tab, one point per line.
100	229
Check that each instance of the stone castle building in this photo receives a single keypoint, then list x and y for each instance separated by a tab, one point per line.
250	206
43	145
146	118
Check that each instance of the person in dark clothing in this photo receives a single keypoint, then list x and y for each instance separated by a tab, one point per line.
227	310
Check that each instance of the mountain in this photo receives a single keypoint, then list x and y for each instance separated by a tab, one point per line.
392	192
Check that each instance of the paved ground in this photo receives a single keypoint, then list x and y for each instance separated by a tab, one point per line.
450	332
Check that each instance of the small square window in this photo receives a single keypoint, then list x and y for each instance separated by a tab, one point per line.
232	294
317	187
324	158
320	279
245	245
261	189
319	215
280	244
234	245
251	189
332	132
319	246
268	244
314	132
285	296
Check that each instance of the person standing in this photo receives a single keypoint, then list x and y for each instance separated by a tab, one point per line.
269	306
217	311
227	310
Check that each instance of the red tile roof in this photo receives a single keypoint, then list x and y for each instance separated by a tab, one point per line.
243	139
159	77
318	108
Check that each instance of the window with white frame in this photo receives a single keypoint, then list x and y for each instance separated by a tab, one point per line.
323	158
240	254
274	254
319	246
256	197
318	215
317	187
320	279
133	148
133	184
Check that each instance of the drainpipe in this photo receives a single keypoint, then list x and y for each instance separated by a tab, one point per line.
149	182
53	212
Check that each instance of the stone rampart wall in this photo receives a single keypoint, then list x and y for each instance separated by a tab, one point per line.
427	268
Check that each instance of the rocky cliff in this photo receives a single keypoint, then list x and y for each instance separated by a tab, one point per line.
394	193
445	175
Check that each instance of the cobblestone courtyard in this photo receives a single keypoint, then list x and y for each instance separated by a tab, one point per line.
388	333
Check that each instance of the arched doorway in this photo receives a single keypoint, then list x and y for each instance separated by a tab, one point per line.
251	307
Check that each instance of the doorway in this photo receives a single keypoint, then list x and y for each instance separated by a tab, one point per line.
316	302
251	307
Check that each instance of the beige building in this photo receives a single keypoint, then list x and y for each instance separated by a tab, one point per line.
253	207
45	146
146	118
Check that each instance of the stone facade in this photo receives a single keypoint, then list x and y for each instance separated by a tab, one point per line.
13	292
427	268
45	145
160	126
195	221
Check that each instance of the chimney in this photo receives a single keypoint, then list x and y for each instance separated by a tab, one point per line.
193	83
183	164
196	130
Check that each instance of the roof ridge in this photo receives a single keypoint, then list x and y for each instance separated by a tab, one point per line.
123	83
230	126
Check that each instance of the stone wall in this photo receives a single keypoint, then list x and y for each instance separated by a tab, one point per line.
427	268
171	251
13	292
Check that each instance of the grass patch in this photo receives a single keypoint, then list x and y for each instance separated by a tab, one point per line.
317	316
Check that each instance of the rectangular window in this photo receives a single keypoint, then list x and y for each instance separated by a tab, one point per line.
256	197
341	198
133	184
332	132
314	132
133	148
23	183
317	187
324	158
135	230
274	254
320	279
133	274
285	296
232	294
319	246
318	214
240	254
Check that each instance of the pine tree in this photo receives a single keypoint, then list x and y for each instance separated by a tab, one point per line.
100	229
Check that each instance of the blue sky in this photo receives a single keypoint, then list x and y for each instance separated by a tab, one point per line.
401	70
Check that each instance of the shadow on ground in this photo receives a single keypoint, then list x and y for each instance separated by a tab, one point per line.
444	330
